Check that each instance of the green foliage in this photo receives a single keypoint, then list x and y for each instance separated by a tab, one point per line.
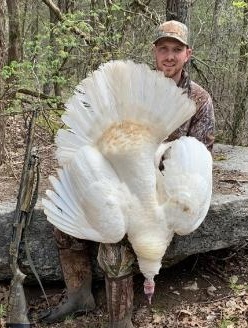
2	310
239	4
228	323
58	54
216	32
55	53
235	286
50	121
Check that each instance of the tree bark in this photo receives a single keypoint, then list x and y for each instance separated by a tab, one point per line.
3	58
216	85
14	52
178	10
214	37
66	6
241	93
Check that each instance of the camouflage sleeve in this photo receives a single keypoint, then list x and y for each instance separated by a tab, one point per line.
116	260
65	241
202	123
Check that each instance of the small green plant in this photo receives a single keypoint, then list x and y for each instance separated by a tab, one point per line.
228	323
69	319
2	310
237	288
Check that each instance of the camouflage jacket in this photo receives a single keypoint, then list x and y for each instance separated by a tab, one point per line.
201	125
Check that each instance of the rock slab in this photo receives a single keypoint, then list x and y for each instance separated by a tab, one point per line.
226	223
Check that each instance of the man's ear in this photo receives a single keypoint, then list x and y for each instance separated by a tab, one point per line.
189	53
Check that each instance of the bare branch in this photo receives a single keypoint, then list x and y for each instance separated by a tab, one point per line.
144	8
33	93
30	110
54	8
39	95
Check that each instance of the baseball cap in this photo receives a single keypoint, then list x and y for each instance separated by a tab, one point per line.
172	29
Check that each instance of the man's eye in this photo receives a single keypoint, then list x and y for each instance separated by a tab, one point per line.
161	51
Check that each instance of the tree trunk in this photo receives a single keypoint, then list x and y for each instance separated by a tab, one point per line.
66	6
214	37
54	21
178	10
3	58
6	57
216	84
14	52
241	93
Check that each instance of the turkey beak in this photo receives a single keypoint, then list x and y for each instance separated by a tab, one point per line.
149	286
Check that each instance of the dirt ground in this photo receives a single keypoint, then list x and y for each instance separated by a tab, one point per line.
206	290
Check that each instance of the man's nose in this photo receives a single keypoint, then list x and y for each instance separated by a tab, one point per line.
169	55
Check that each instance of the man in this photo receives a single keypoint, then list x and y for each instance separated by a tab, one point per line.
171	52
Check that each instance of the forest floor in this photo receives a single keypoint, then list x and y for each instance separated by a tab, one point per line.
206	290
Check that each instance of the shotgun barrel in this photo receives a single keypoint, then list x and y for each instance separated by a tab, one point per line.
17	306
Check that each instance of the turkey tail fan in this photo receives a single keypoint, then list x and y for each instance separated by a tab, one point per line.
186	183
122	91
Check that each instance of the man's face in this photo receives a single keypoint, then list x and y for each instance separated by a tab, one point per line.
170	56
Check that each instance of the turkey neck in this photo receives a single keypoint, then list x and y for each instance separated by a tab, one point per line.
130	148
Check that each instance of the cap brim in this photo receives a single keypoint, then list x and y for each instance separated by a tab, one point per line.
170	37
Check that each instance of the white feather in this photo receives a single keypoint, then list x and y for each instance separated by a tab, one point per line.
107	186
122	91
89	197
186	183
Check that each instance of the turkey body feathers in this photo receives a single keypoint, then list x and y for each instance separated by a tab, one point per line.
109	184
186	183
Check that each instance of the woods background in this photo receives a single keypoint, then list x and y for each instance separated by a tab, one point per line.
47	47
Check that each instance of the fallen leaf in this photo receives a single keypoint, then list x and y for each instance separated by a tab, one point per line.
193	286
211	290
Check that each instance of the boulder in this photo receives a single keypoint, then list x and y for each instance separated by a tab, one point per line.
226	223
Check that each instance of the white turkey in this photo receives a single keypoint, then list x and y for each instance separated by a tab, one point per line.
109	184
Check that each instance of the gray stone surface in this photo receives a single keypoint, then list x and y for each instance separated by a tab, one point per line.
225	225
